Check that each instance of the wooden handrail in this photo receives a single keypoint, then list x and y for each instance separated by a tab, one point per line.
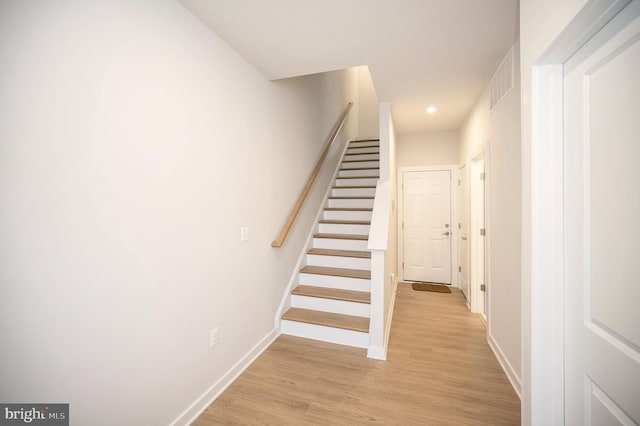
312	178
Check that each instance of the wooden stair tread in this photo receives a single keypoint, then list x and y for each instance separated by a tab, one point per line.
363	153
332	293
357	161
353	187
358	177
328	319
341	253
337	272
342	236
346	222
364	140
359	168
348	209
347	197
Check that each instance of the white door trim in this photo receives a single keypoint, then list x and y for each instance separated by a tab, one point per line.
543	367
478	275
454	214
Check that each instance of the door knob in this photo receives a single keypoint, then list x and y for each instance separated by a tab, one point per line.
445	233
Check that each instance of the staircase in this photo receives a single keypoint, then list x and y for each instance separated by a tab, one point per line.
332	301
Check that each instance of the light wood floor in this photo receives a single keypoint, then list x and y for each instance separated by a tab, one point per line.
439	371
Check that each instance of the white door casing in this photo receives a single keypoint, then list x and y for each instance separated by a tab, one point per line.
602	230
426	224
463	234
478	236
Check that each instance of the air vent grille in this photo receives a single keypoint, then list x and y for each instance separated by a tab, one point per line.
502	81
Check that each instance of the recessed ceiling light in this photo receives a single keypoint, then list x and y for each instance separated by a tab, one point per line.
431	109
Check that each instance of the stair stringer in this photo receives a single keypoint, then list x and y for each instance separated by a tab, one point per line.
285	301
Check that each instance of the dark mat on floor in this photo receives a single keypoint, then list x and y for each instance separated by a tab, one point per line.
438	288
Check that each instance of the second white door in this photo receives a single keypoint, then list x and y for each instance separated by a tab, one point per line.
602	227
427	226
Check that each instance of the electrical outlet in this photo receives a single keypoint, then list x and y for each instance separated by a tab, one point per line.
244	234
213	337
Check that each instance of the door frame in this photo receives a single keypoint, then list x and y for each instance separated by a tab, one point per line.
478	244
459	230
454	214
544	306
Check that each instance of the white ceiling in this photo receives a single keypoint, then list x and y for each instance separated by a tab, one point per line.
419	52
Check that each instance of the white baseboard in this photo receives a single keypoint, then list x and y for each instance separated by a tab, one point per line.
506	365
189	415
377	352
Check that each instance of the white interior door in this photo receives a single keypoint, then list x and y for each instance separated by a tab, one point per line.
602	230
427	226
463	234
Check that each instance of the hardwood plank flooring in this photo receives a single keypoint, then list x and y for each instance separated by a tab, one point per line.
346	222
342	236
336	272
328	319
332	293
342	253
439	371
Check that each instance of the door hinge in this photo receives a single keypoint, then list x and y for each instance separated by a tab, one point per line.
402	225
403	265
483	232
482	176
459	268
458	182
459	225
483	287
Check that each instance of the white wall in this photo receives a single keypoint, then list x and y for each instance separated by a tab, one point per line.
541	21
474	132
504	137
502	129
368	116
428	149
134	145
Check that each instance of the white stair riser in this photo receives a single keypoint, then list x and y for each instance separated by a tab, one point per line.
339	261
363	150
353	192
366	172
355	157
364	203
325	334
342	283
347	214
362	144
360	165
341	228
340	244
330	305
357	182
